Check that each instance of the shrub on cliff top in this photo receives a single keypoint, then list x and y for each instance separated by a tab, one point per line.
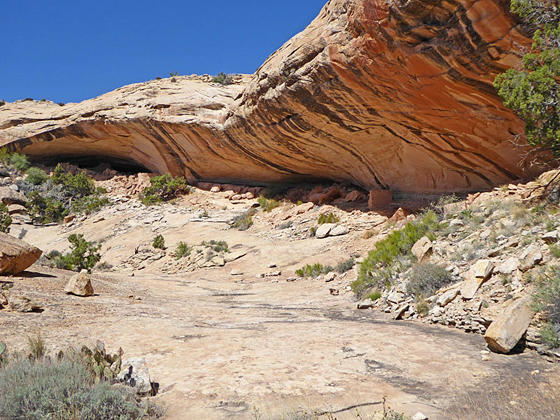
534	91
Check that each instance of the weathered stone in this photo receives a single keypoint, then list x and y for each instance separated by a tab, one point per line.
79	285
530	258
135	373
9	196
324	230
550	237
395	297
447	297
482	269
419	416
330	277
508	266
400	310
215	189
422	249
16	255
339	230
506	330
17	209
19	303
365	304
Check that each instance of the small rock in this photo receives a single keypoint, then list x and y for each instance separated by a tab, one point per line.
334	292
365	304
79	285
530	258
69	218
508	266
447	297
550	237
134	373
339	231
215	189
272	265
395	297
482	269
422	248
456	223
20	303
273	274
330	277
399	312
419	416
236	273
324	230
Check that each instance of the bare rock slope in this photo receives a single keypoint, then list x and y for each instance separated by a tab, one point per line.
394	94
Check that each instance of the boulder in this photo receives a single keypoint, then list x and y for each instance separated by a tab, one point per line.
506	330
339	230
550	237
422	249
324	230
482	269
135	373
9	196
16	255
79	285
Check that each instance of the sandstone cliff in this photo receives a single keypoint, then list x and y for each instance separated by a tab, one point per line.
385	94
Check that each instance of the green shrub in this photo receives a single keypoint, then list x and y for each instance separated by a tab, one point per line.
158	242
5	219
378	267
244	221
89	204
83	254
549	335
36	176
314	270
78	185
45	209
36	347
62	390
164	188
374	295
426	279
4	155
345	266
19	161
268	204
327	218
533	93
223	79
422	306
546	299
182	250
217	246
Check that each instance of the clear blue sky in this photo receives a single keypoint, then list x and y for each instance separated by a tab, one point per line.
70	50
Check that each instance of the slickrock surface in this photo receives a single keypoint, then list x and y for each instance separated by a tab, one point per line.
393	95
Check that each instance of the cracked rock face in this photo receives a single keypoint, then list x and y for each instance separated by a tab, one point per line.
394	95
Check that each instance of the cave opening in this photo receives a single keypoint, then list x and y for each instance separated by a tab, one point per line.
95	163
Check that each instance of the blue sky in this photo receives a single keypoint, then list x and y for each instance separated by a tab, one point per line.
67	51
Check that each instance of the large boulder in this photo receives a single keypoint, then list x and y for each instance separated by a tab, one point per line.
16	255
506	330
